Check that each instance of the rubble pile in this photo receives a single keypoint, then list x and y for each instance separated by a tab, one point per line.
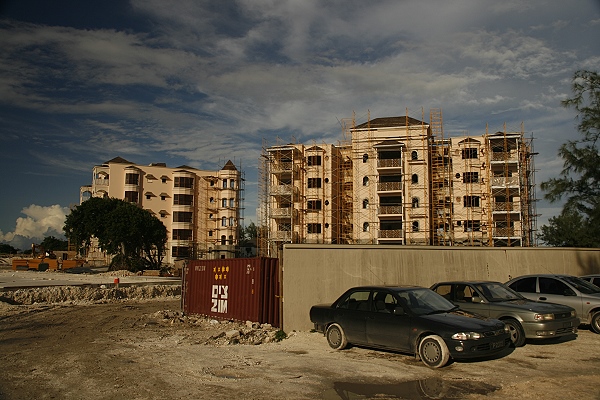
87	294
230	332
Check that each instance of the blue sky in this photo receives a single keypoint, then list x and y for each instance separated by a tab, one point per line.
201	82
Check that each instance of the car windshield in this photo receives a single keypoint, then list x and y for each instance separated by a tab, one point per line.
581	285
494	292
423	301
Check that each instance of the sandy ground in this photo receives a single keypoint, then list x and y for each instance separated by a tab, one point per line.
142	348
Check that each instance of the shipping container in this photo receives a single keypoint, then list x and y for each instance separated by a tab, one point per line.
241	289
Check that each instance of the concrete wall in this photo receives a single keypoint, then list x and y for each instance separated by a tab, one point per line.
314	274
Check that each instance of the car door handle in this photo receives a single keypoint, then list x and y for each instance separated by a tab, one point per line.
543	299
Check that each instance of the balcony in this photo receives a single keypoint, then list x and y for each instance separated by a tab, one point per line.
503	232
391	234
504	156
283	190
389	186
282	236
101	182
389	163
389	210
284	168
503	181
506	206
286	212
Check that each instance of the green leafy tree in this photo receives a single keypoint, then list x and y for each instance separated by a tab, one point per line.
51	243
579	181
135	237
7	249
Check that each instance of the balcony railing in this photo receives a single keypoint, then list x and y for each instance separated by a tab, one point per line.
283	236
389	186
283	167
389	163
389	210
101	182
505	181
283	212
504	232
504	156
283	190
505	206
390	234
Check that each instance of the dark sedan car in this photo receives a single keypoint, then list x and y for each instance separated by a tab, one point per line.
408	319
525	318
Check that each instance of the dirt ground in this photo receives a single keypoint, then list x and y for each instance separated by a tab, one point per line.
143	348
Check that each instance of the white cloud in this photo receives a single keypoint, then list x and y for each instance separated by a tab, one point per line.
39	222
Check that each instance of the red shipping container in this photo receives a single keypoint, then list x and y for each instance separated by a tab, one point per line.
241	289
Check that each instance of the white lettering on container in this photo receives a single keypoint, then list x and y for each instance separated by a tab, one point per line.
219	298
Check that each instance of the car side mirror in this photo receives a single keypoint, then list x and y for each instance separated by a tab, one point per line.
476	299
398	310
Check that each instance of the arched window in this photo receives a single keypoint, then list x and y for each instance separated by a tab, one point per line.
366	203
224	221
414	155
223	240
415	226
365	157
366	181
230	239
366	227
415	178
415	202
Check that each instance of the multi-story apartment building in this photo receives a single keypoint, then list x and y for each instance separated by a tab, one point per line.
398	180
200	209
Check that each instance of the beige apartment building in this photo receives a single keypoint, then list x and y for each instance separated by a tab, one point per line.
398	180
201	210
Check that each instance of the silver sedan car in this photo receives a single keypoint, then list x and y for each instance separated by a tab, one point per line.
525	318
569	290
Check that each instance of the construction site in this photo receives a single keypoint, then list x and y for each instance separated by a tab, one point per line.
399	181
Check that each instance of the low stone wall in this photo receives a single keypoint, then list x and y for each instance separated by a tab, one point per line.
314	274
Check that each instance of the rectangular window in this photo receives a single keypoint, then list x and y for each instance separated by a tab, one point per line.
471	201
471	226
314	183
224	203
232	203
469	153
314	160
182	216
232	183
179	251
183	199
131	196
471	177
132	179
314	204
224	183
184	182
182	234
314	228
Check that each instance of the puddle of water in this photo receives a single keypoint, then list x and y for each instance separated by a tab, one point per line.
430	388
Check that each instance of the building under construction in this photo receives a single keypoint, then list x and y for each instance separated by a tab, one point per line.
399	180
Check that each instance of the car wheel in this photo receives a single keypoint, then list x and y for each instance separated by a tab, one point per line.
517	336
595	322
433	351
336	337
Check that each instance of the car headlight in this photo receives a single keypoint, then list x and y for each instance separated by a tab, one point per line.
543	317
466	336
573	313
